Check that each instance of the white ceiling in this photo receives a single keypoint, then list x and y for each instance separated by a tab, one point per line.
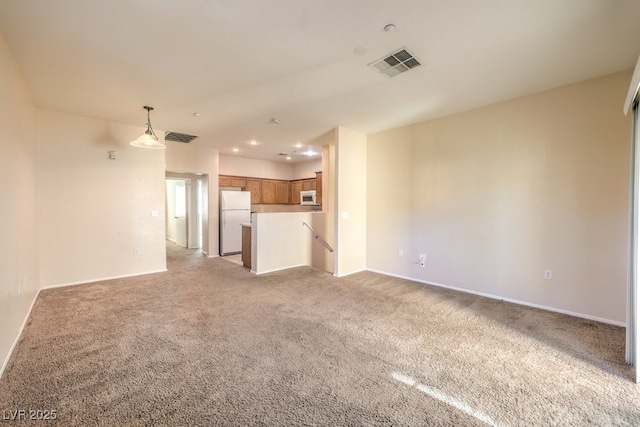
240	63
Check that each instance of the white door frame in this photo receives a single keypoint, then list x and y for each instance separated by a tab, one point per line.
633	337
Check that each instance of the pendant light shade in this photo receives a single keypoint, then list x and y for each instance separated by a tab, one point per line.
148	139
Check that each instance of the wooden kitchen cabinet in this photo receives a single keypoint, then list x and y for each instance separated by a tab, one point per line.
319	188
296	188
246	246
238	182
268	192
282	192
255	186
273	191
232	181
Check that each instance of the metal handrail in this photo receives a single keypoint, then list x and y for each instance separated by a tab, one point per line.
317	237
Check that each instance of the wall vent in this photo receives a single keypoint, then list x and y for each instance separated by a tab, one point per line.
179	137
396	63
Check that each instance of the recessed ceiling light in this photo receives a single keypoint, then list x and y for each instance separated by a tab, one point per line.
389	28
276	121
253	142
288	157
235	150
298	145
309	153
196	114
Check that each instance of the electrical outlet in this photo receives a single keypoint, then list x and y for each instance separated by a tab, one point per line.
548	274
423	260
136	251
400	252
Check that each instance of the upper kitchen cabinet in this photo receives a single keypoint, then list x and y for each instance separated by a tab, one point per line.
237	181
282	192
274	191
296	188
255	186
232	181
268	192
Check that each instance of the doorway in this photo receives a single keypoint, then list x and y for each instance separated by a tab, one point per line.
184	207
177	207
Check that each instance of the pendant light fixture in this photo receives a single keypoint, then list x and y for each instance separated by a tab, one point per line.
148	139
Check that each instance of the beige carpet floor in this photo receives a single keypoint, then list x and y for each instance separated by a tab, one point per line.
207	343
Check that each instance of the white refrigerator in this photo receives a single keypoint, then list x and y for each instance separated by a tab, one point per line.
235	209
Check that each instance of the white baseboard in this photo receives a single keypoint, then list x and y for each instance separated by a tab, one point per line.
17	339
83	282
210	256
352	272
280	269
514	301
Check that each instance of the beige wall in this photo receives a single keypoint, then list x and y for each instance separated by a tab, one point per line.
94	212
198	159
496	195
240	166
308	169
19	278
329	203
351	207
280	241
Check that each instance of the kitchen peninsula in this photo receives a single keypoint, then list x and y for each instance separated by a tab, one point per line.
279	240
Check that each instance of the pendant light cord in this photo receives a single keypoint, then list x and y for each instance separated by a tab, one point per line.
149	127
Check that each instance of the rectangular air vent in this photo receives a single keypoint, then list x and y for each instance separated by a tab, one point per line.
395	63
179	137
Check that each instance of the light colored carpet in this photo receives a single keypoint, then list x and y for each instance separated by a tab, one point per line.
207	343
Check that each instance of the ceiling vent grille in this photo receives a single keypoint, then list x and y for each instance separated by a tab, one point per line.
179	137
395	63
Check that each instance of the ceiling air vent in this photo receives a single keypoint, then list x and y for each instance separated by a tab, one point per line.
179	137
396	63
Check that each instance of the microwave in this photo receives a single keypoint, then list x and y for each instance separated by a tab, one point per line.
308	197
